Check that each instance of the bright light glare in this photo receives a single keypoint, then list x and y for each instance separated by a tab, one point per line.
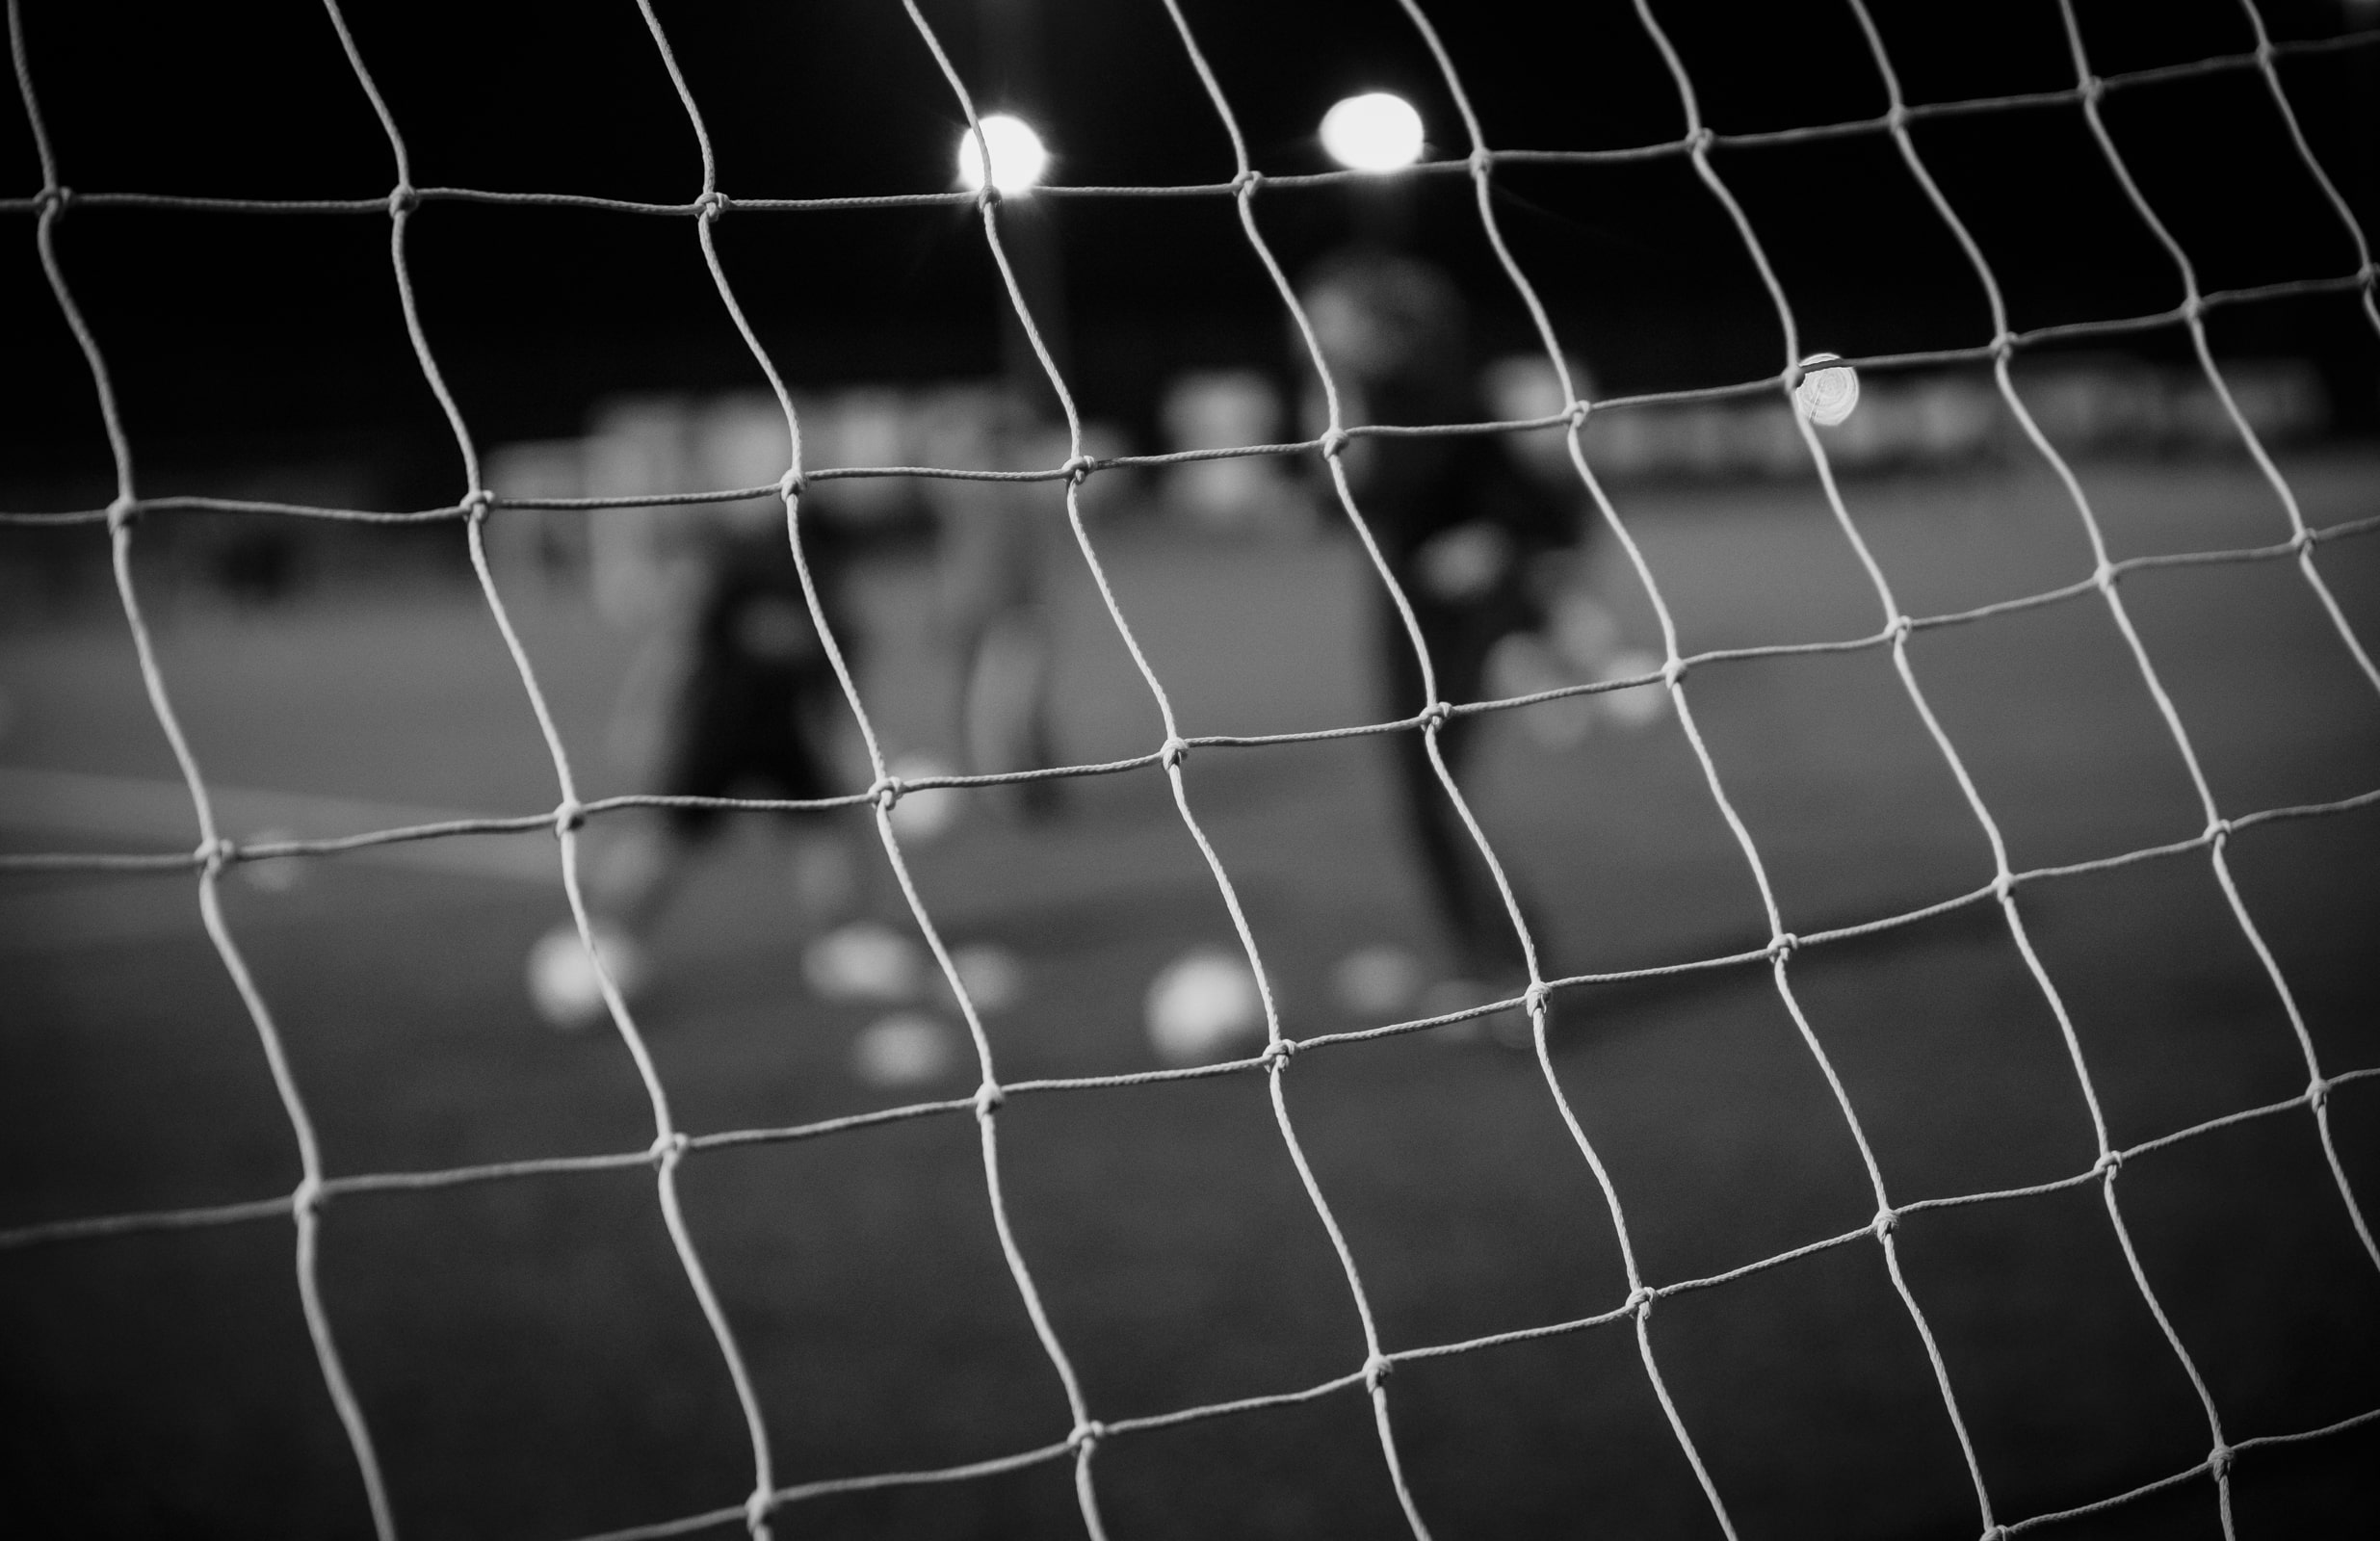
1018	156
1375	132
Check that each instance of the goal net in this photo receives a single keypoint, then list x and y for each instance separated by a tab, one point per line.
1605	449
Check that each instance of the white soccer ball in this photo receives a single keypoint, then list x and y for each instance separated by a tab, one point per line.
992	976
563	983
1582	631
1522	664
866	960
1639	706
1376	981
1827	395
920	816
1202	1004
904	1050
275	874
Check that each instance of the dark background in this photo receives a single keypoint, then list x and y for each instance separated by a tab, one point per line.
235	336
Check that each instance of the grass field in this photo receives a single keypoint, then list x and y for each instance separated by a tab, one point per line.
532	1365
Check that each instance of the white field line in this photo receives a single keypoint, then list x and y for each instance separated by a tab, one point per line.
138	809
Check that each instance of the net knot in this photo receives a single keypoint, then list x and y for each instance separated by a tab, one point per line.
2302	539
53	201
1700	141
987	1097
569	814
2003	883
1480	160
1997	1532
1900	629
1534	998
667	1148
1673	670
791	484
477	503
1173	751
2003	347
885	791
1079	469
1277	1052
1086	1434
306	1198
1575	414
2105	576
2219	1462
1639	1302
2193	306
2109	1166
122	514
1435	716
2317	1094
2218	830
216	855
1782	946
402	199
1375	1370
1896	117
1247	181
2093	89
1335	443
1885	1223
712	204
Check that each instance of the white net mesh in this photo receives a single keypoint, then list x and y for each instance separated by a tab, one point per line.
770	1497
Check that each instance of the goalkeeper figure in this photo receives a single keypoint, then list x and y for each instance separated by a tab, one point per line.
732	695
1474	543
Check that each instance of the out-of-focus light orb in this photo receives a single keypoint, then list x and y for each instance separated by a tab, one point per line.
1375	132
1019	158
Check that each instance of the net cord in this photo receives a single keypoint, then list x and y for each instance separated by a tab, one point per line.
1173	753
671	1145
1918	111
303	1205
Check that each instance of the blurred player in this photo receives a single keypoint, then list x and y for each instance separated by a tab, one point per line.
992	555
1468	537
732	695
996	544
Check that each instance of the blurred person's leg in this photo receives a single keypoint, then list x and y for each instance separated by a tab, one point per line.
833	861
997	630
635	862
711	735
639	862
1462	890
1004	707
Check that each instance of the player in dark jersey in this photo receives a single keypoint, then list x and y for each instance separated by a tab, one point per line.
995	544
758	691
1466	534
735	696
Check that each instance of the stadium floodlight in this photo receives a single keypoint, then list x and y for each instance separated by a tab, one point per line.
1018	156
1375	132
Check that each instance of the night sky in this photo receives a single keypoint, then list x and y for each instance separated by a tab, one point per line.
242	335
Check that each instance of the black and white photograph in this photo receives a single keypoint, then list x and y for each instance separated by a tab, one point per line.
1147	770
